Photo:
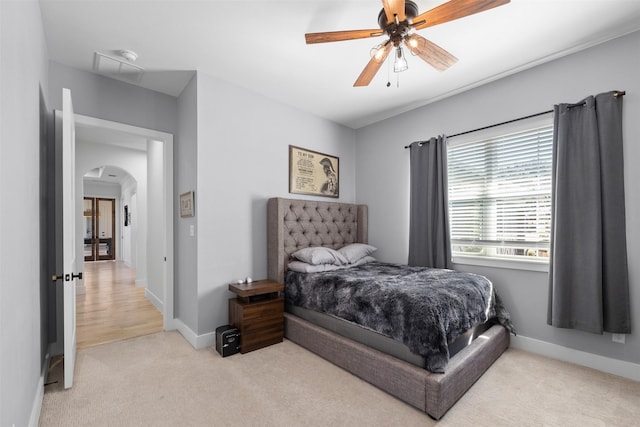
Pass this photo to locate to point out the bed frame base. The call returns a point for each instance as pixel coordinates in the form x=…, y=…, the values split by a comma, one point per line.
x=430, y=392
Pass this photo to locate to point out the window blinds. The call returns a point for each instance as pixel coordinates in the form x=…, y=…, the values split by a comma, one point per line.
x=500, y=194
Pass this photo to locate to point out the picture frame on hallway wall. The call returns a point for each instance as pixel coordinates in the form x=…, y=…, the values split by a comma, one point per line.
x=313, y=173
x=186, y=205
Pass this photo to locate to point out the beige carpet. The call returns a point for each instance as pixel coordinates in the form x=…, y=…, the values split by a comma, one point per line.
x=160, y=380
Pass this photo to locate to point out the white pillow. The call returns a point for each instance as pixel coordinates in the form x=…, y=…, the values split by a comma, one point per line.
x=303, y=267
x=364, y=260
x=320, y=255
x=355, y=251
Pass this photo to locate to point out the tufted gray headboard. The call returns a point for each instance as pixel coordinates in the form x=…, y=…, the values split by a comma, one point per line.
x=295, y=224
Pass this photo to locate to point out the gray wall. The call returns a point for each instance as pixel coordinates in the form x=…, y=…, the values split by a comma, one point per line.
x=185, y=162
x=23, y=74
x=382, y=176
x=243, y=159
x=104, y=98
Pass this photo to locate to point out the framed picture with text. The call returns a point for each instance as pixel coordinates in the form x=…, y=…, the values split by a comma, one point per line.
x=313, y=173
x=186, y=204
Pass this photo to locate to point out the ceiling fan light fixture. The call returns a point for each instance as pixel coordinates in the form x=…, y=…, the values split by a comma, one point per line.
x=411, y=42
x=400, y=63
x=378, y=52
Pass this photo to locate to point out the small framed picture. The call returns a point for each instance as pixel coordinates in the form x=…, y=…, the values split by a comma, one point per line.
x=186, y=204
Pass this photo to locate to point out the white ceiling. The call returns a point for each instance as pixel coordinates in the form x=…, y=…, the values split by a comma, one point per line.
x=86, y=134
x=108, y=175
x=259, y=45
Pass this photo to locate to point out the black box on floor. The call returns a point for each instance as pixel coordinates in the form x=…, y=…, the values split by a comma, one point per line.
x=227, y=340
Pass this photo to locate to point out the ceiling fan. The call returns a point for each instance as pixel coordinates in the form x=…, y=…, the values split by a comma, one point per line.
x=398, y=19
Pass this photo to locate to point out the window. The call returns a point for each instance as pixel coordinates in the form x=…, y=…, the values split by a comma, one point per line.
x=500, y=195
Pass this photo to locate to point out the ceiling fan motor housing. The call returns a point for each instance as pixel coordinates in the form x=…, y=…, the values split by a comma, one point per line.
x=399, y=30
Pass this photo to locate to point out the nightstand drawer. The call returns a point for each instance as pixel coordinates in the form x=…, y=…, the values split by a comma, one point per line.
x=250, y=342
x=258, y=325
x=262, y=309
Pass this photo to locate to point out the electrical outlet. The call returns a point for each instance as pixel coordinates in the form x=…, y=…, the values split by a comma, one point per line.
x=617, y=338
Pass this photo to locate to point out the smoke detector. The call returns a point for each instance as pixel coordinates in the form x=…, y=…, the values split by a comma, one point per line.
x=129, y=55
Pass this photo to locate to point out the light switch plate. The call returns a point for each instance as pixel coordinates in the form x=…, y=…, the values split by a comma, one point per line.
x=192, y=230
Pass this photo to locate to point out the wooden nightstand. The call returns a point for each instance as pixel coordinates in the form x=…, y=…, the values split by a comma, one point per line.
x=258, y=313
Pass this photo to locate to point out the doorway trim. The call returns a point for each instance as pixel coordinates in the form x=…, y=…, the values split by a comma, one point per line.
x=167, y=142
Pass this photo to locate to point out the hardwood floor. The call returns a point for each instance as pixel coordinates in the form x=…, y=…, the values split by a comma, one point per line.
x=113, y=308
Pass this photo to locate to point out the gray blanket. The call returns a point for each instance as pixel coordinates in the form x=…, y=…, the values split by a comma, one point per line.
x=424, y=308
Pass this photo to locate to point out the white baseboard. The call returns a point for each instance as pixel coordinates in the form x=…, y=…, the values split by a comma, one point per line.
x=206, y=340
x=141, y=283
x=170, y=324
x=157, y=302
x=197, y=341
x=590, y=360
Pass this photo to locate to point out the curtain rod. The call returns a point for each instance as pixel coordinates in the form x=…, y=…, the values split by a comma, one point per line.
x=615, y=94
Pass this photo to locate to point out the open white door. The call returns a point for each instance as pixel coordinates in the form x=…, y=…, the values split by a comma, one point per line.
x=69, y=235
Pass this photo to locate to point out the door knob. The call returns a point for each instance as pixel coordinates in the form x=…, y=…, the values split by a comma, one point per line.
x=66, y=277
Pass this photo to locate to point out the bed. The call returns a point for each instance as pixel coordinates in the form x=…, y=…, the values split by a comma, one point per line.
x=391, y=366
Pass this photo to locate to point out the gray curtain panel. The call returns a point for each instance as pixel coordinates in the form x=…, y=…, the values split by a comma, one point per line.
x=429, y=242
x=588, y=276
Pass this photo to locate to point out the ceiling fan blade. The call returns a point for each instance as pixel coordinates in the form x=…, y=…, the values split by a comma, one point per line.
x=336, y=36
x=394, y=7
x=374, y=64
x=454, y=9
x=430, y=52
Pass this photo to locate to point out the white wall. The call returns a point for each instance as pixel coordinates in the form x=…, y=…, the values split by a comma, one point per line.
x=155, y=252
x=23, y=73
x=382, y=177
x=243, y=159
x=129, y=188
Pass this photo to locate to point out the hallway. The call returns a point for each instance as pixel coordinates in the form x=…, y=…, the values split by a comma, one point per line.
x=113, y=308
